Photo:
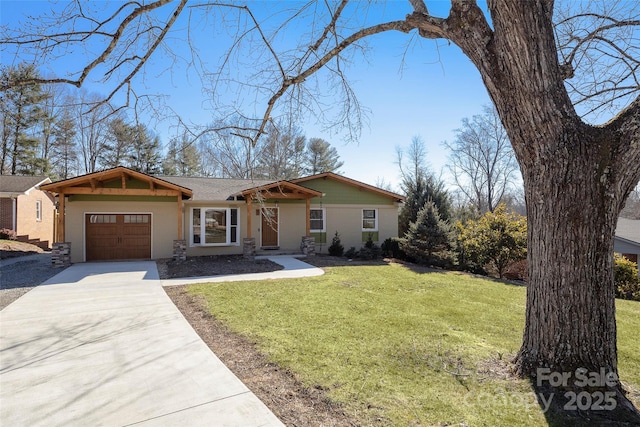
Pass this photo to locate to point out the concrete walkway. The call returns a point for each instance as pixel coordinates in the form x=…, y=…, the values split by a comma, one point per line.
x=102, y=344
x=293, y=268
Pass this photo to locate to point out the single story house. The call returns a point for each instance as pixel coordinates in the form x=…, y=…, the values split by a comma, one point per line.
x=123, y=214
x=627, y=239
x=26, y=209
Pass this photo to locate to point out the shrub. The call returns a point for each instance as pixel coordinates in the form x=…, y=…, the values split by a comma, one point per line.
x=351, y=253
x=391, y=248
x=370, y=249
x=497, y=239
x=8, y=234
x=626, y=276
x=517, y=271
x=336, y=248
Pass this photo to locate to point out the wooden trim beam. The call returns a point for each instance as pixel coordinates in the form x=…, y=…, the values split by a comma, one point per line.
x=180, y=222
x=61, y=209
x=124, y=181
x=249, y=214
x=121, y=191
x=308, y=221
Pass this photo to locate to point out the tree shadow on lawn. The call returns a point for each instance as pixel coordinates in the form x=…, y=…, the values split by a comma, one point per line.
x=585, y=407
x=422, y=269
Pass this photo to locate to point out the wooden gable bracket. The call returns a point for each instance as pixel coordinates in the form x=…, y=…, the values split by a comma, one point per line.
x=124, y=180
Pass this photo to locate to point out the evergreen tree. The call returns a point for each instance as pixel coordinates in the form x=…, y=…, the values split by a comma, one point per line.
x=424, y=189
x=429, y=239
x=117, y=148
x=321, y=157
x=64, y=153
x=419, y=185
x=21, y=112
x=145, y=153
x=182, y=158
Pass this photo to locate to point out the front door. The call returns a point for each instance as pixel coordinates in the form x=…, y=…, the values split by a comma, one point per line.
x=269, y=227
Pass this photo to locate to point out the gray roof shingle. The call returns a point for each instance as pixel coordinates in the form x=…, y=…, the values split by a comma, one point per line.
x=16, y=184
x=214, y=188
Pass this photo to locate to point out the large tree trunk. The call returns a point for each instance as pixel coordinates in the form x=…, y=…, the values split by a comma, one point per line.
x=576, y=180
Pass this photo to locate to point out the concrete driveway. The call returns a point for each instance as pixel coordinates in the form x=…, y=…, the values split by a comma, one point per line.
x=102, y=344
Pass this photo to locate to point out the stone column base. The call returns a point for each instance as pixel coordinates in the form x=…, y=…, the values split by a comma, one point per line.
x=308, y=245
x=179, y=250
x=249, y=248
x=61, y=254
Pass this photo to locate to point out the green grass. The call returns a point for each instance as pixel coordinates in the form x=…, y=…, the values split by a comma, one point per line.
x=404, y=347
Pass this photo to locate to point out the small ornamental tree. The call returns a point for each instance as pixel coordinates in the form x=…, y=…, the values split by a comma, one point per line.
x=336, y=248
x=429, y=239
x=498, y=238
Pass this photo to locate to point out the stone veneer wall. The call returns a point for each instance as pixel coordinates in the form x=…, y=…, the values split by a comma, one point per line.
x=61, y=254
x=179, y=250
x=249, y=248
x=308, y=245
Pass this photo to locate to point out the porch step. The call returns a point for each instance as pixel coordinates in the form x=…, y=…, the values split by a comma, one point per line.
x=42, y=244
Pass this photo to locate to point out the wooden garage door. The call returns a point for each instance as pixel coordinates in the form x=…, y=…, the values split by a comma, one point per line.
x=118, y=236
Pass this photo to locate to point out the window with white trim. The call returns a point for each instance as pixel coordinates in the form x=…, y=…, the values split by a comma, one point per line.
x=317, y=220
x=214, y=227
x=369, y=220
x=38, y=210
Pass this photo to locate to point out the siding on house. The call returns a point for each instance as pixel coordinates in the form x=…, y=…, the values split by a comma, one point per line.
x=340, y=193
x=164, y=218
x=20, y=195
x=343, y=201
x=27, y=224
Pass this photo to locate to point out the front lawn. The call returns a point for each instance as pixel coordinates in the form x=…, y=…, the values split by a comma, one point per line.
x=400, y=347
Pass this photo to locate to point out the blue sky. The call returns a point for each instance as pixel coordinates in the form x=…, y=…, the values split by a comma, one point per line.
x=425, y=93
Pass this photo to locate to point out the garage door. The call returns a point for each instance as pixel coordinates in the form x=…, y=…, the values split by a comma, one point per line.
x=118, y=236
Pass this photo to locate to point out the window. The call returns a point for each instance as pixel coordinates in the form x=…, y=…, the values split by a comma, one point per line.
x=38, y=210
x=102, y=219
x=136, y=219
x=214, y=227
x=369, y=220
x=317, y=220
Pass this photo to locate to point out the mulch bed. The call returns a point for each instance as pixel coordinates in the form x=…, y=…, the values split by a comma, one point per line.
x=213, y=266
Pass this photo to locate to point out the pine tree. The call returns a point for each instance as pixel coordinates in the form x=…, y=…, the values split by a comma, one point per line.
x=145, y=153
x=117, y=149
x=64, y=153
x=182, y=158
x=21, y=112
x=321, y=157
x=429, y=239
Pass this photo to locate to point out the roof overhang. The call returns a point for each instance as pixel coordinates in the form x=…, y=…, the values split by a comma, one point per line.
x=280, y=190
x=14, y=194
x=93, y=183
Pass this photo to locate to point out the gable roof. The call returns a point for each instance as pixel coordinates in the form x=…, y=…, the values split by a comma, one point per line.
x=92, y=184
x=352, y=182
x=14, y=185
x=281, y=189
x=215, y=188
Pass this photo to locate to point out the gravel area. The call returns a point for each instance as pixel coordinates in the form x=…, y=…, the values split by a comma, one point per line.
x=19, y=275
